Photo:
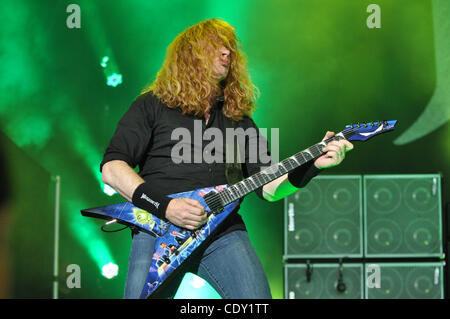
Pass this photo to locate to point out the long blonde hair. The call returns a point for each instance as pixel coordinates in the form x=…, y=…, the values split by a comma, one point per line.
x=187, y=79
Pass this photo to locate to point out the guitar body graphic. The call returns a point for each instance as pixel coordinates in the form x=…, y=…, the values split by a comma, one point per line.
x=173, y=244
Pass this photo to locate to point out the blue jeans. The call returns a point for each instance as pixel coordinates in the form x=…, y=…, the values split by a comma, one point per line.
x=229, y=264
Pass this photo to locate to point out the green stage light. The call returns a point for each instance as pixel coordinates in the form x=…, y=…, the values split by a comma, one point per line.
x=110, y=270
x=114, y=79
x=99, y=41
x=87, y=233
x=104, y=62
x=108, y=190
x=194, y=287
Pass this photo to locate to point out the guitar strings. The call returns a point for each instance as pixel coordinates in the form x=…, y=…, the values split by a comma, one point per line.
x=217, y=196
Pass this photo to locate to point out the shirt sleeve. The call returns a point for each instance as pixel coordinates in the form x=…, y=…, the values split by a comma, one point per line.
x=133, y=133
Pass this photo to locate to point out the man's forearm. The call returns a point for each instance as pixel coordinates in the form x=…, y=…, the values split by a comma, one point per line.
x=278, y=189
x=120, y=176
x=289, y=183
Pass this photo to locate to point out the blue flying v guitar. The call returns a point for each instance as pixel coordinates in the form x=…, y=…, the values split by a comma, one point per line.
x=174, y=244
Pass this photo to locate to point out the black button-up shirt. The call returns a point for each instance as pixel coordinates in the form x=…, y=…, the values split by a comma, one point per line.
x=144, y=137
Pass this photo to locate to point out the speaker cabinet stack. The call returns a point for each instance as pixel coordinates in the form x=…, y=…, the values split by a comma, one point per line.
x=320, y=281
x=371, y=236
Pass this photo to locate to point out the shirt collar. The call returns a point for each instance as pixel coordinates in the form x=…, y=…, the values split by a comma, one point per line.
x=219, y=102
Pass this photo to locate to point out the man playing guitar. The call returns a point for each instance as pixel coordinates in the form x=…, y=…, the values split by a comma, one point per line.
x=204, y=80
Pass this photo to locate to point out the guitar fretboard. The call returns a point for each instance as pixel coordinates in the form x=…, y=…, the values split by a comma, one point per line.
x=248, y=185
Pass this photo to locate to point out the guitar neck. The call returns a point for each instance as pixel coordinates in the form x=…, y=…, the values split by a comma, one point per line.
x=248, y=185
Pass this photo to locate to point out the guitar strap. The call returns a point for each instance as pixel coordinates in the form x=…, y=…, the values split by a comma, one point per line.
x=233, y=169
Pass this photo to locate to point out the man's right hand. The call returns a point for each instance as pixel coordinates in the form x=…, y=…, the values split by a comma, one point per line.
x=186, y=213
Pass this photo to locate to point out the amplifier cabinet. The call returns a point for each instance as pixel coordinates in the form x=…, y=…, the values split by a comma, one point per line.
x=324, y=219
x=320, y=281
x=403, y=216
x=405, y=280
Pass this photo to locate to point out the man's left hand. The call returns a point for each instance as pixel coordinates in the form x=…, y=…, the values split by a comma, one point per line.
x=335, y=152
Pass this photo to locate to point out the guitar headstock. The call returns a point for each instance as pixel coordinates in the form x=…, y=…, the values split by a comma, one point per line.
x=364, y=131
